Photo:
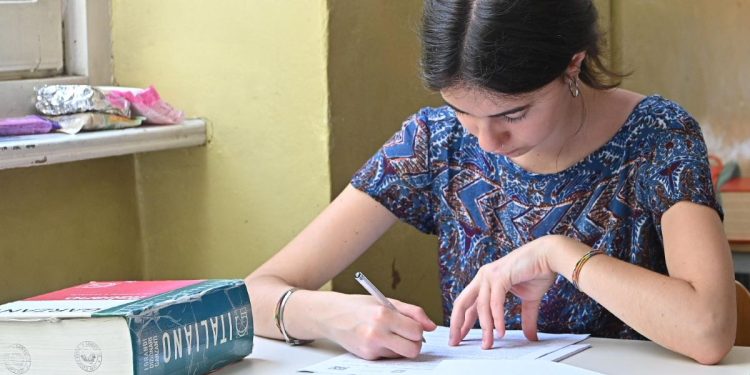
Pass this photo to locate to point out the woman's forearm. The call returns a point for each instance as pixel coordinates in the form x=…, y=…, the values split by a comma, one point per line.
x=695, y=320
x=359, y=323
x=301, y=313
x=341, y=233
x=264, y=294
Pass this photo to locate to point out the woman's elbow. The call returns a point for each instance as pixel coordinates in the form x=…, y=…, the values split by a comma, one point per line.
x=715, y=342
x=712, y=355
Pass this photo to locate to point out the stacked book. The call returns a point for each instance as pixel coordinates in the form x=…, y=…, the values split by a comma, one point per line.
x=128, y=327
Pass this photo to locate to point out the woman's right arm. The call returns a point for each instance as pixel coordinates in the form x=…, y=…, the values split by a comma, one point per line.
x=331, y=242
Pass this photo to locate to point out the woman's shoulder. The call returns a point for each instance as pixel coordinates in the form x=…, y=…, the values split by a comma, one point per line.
x=437, y=118
x=661, y=114
x=436, y=125
x=664, y=132
x=656, y=120
x=430, y=134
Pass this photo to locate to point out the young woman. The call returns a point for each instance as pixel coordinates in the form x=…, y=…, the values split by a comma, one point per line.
x=561, y=203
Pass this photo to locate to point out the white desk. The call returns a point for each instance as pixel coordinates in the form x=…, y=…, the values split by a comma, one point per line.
x=605, y=355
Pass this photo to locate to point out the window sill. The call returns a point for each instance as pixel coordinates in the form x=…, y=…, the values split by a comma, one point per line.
x=52, y=148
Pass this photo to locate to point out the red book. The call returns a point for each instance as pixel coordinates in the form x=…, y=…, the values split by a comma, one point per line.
x=114, y=290
x=740, y=184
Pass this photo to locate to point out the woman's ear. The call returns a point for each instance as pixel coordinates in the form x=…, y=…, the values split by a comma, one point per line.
x=574, y=68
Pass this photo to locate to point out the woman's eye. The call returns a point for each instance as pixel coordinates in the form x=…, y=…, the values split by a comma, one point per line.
x=514, y=118
x=509, y=119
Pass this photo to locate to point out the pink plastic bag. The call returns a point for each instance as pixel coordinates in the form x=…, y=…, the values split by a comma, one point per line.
x=148, y=103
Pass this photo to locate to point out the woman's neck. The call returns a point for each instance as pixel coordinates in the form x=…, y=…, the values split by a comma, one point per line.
x=563, y=146
x=593, y=118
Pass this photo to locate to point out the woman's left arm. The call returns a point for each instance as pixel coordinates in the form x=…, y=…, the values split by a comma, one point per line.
x=693, y=310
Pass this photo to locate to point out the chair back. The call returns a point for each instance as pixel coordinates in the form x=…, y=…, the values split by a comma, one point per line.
x=743, y=315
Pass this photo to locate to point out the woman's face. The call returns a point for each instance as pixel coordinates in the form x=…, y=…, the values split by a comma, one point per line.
x=515, y=126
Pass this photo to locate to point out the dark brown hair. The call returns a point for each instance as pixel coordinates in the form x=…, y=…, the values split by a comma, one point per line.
x=510, y=46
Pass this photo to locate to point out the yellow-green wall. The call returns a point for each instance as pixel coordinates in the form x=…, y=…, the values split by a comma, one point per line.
x=697, y=53
x=373, y=73
x=257, y=71
x=66, y=224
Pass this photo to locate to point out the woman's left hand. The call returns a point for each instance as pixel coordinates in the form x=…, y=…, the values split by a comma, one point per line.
x=525, y=272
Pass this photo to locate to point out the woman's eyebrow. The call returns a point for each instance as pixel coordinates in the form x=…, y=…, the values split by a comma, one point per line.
x=504, y=113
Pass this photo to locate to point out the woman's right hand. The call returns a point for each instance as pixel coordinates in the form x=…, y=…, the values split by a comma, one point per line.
x=369, y=330
x=338, y=236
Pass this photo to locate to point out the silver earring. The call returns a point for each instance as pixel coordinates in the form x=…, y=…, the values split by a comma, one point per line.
x=573, y=87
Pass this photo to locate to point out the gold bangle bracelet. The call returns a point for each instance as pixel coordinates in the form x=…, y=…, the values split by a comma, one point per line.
x=577, y=269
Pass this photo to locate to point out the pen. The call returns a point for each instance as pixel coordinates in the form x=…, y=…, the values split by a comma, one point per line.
x=375, y=292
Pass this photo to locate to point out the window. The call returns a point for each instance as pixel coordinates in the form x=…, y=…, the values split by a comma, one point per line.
x=51, y=42
x=35, y=47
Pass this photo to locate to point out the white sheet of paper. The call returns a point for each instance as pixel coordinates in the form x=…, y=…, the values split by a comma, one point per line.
x=507, y=366
x=513, y=346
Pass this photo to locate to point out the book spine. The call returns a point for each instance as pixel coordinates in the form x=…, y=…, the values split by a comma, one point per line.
x=193, y=330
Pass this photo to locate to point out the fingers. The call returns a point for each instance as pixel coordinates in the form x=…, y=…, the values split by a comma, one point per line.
x=461, y=305
x=497, y=305
x=383, y=344
x=470, y=318
x=484, y=310
x=529, y=316
x=484, y=298
x=416, y=313
x=400, y=346
x=391, y=334
x=406, y=327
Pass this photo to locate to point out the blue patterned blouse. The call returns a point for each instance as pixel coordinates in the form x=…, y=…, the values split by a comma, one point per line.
x=433, y=175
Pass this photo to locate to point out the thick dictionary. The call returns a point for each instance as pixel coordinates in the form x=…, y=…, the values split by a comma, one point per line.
x=128, y=327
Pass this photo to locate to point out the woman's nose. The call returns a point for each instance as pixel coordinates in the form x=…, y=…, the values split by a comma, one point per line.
x=492, y=139
x=491, y=144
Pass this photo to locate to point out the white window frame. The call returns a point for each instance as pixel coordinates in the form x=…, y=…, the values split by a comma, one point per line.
x=88, y=60
x=87, y=50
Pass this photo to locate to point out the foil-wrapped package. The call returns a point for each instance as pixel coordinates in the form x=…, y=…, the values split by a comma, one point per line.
x=53, y=100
